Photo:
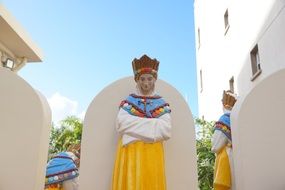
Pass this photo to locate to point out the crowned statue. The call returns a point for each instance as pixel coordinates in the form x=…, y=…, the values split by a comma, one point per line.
x=143, y=123
x=222, y=145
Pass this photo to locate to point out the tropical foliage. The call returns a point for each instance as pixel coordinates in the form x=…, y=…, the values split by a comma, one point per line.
x=68, y=133
x=206, y=158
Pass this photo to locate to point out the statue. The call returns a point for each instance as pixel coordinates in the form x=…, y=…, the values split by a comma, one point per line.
x=222, y=146
x=62, y=170
x=143, y=122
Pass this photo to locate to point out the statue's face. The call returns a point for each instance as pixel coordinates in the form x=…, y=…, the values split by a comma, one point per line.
x=146, y=83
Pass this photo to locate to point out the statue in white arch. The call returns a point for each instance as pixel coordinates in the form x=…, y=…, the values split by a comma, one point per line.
x=144, y=123
x=222, y=146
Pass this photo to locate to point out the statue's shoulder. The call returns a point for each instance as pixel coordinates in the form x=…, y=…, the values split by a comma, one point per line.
x=131, y=99
x=225, y=119
x=224, y=125
x=145, y=106
x=133, y=106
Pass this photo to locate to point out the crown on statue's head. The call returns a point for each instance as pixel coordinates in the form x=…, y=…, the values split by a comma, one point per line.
x=145, y=65
x=229, y=99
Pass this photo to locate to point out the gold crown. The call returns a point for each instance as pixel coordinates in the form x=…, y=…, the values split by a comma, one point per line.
x=145, y=65
x=229, y=99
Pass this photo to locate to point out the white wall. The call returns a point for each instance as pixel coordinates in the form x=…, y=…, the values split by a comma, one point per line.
x=258, y=135
x=25, y=125
x=209, y=18
x=99, y=138
x=223, y=56
x=271, y=46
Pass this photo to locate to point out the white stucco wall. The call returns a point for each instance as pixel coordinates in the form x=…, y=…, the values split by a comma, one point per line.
x=99, y=139
x=271, y=46
x=258, y=136
x=222, y=56
x=209, y=19
x=25, y=125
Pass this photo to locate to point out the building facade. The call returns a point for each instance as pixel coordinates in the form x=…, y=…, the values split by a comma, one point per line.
x=16, y=47
x=238, y=44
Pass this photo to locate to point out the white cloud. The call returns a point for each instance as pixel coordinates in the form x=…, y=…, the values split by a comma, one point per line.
x=62, y=107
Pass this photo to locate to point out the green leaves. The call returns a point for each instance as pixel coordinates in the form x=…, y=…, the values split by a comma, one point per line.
x=206, y=158
x=69, y=132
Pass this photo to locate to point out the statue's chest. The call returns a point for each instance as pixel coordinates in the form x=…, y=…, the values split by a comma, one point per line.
x=145, y=107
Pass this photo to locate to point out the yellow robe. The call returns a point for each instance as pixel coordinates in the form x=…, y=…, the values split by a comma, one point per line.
x=54, y=187
x=222, y=175
x=139, y=166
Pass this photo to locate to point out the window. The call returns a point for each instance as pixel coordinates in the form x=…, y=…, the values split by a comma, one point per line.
x=232, y=86
x=226, y=20
x=255, y=62
x=199, y=42
x=201, y=80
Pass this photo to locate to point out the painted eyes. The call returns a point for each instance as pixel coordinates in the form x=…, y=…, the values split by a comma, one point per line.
x=149, y=79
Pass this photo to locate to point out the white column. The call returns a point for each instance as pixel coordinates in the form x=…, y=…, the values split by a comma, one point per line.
x=24, y=134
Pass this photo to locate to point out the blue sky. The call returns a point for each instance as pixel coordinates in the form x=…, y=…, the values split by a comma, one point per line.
x=89, y=44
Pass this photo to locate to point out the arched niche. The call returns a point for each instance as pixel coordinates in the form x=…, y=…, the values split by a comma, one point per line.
x=258, y=136
x=24, y=134
x=99, y=139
